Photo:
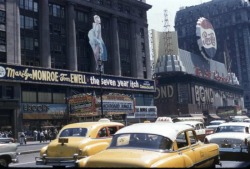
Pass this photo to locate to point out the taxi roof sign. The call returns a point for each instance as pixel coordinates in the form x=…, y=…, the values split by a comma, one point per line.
x=104, y=120
x=164, y=120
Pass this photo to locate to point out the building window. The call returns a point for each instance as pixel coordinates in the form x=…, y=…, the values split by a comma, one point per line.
x=9, y=92
x=1, y=92
x=29, y=97
x=2, y=17
x=44, y=97
x=142, y=32
x=82, y=17
x=30, y=5
x=28, y=23
x=59, y=98
x=143, y=47
x=100, y=2
x=2, y=38
x=27, y=43
x=56, y=10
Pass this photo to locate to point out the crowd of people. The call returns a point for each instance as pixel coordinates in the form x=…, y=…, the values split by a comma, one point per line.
x=42, y=135
x=45, y=135
x=6, y=133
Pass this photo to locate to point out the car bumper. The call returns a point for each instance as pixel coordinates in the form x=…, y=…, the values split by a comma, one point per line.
x=14, y=157
x=69, y=162
x=233, y=150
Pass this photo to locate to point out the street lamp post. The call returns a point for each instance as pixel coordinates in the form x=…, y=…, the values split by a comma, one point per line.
x=100, y=69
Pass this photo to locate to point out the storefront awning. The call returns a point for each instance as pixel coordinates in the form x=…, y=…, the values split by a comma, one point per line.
x=214, y=116
x=197, y=115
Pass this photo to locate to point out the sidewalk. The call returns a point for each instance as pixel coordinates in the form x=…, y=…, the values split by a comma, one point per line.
x=29, y=147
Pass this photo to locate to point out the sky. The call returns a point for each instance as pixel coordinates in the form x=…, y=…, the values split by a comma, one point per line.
x=155, y=15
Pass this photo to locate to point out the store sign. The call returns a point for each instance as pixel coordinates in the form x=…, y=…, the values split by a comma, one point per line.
x=203, y=94
x=62, y=77
x=58, y=109
x=82, y=103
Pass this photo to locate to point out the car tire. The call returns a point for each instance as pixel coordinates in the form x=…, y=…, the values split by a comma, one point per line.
x=3, y=162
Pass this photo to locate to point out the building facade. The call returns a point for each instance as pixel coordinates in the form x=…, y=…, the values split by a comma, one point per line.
x=46, y=58
x=188, y=84
x=231, y=19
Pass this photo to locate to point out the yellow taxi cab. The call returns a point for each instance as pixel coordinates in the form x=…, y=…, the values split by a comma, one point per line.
x=76, y=141
x=155, y=145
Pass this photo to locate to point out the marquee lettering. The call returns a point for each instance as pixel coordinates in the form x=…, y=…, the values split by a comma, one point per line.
x=203, y=94
x=36, y=75
x=164, y=92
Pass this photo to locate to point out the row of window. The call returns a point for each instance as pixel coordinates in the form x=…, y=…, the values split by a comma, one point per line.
x=43, y=97
x=6, y=92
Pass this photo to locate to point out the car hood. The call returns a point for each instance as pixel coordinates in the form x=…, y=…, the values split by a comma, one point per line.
x=227, y=135
x=125, y=158
x=8, y=147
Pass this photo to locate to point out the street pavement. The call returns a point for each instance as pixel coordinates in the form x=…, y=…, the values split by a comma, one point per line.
x=30, y=147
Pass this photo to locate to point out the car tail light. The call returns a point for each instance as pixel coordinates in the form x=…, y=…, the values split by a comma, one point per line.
x=206, y=141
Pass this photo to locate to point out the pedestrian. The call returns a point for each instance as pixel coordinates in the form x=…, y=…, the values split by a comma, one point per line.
x=35, y=135
x=22, y=138
x=42, y=136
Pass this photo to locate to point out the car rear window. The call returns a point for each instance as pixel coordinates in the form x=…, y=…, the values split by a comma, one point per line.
x=240, y=129
x=74, y=132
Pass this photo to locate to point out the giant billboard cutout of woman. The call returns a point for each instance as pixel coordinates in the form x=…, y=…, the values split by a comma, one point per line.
x=96, y=42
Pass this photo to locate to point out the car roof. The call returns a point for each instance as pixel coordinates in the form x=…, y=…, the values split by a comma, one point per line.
x=91, y=124
x=190, y=122
x=169, y=130
x=217, y=121
x=235, y=124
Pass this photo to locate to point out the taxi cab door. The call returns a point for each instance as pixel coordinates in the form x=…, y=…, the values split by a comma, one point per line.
x=184, y=149
x=198, y=151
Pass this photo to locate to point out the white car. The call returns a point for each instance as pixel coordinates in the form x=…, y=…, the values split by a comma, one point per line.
x=231, y=137
x=215, y=123
x=198, y=126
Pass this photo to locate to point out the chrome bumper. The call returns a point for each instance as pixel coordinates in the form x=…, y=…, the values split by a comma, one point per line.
x=14, y=158
x=69, y=162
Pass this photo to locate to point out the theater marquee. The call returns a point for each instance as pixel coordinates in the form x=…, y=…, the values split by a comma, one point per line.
x=25, y=74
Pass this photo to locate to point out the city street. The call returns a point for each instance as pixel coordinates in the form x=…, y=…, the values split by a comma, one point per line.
x=27, y=160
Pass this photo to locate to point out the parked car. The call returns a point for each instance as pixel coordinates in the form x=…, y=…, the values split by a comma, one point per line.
x=198, y=126
x=213, y=125
x=154, y=145
x=78, y=140
x=231, y=137
x=238, y=118
x=246, y=120
x=6, y=139
x=8, y=154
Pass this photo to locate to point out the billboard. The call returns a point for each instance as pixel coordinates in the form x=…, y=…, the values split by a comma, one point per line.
x=206, y=38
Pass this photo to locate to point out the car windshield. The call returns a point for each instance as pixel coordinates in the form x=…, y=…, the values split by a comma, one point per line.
x=74, y=132
x=141, y=140
x=221, y=129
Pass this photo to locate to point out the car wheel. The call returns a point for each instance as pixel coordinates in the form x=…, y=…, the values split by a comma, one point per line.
x=3, y=162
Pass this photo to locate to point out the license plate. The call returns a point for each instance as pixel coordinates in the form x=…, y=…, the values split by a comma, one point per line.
x=226, y=145
x=63, y=140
